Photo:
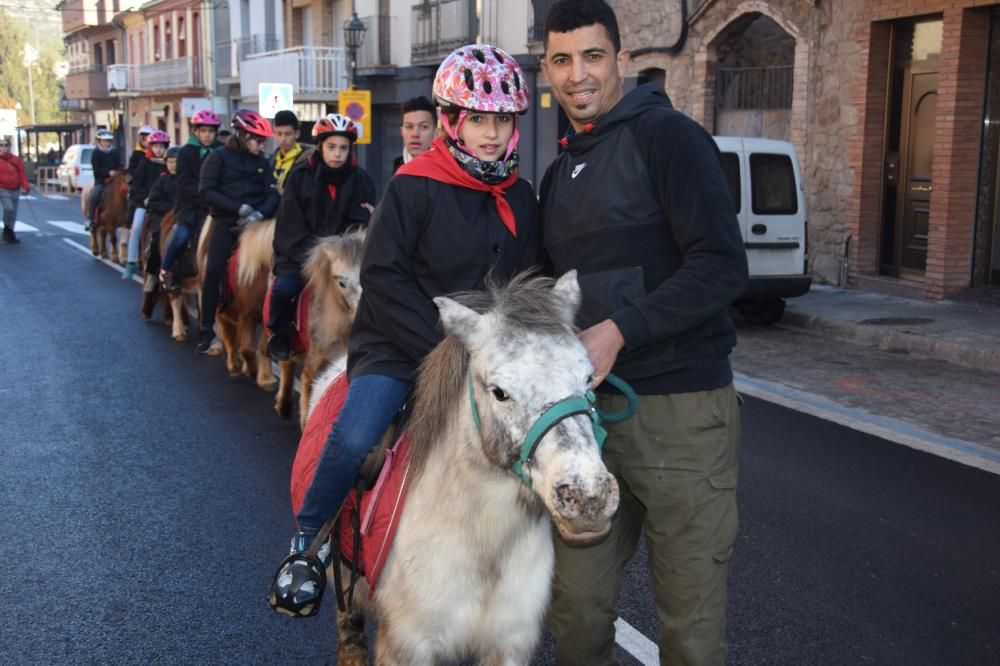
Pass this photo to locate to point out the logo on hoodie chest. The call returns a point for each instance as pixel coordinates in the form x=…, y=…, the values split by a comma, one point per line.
x=577, y=169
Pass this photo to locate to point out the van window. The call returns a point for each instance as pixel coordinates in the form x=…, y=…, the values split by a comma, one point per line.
x=772, y=186
x=731, y=167
x=85, y=155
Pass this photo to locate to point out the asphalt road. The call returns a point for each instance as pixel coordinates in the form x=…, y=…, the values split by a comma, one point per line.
x=145, y=505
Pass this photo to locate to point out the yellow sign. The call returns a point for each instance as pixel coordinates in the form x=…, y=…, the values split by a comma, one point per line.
x=357, y=105
x=545, y=100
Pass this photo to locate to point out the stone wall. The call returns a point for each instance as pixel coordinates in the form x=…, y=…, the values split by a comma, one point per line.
x=823, y=117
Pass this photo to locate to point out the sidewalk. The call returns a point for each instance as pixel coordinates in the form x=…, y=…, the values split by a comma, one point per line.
x=962, y=333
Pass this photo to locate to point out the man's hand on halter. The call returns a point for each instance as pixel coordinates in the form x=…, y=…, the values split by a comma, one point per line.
x=245, y=210
x=602, y=341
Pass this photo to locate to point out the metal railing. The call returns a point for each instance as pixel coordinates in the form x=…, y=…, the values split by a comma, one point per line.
x=754, y=87
x=312, y=70
x=439, y=26
x=229, y=53
x=376, y=50
x=123, y=78
x=173, y=74
x=82, y=69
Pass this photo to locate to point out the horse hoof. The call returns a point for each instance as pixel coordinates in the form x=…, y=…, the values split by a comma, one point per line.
x=179, y=338
x=284, y=413
x=268, y=386
x=352, y=655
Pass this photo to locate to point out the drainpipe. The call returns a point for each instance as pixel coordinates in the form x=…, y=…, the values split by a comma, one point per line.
x=208, y=46
x=674, y=48
x=126, y=58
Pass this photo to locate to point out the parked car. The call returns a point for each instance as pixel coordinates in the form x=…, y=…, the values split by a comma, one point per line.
x=766, y=187
x=75, y=172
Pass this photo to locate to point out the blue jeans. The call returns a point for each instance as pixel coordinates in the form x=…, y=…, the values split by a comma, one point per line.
x=95, y=197
x=182, y=234
x=9, y=199
x=284, y=294
x=135, y=237
x=372, y=401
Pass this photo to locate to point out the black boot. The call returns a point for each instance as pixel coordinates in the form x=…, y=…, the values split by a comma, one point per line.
x=9, y=237
x=279, y=347
x=205, y=338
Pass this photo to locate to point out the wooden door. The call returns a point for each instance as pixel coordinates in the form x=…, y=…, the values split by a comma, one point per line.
x=918, y=132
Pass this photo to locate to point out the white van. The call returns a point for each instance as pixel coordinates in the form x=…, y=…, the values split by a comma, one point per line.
x=766, y=186
x=75, y=171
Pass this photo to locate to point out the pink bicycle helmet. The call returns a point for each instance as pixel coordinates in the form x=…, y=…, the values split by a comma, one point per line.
x=480, y=77
x=205, y=118
x=334, y=124
x=159, y=136
x=251, y=122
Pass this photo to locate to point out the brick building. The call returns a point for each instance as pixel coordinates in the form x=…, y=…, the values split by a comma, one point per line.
x=893, y=107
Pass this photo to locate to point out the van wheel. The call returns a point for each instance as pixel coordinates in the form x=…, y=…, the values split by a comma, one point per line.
x=763, y=312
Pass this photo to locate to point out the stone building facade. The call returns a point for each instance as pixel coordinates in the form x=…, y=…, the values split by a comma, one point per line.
x=829, y=77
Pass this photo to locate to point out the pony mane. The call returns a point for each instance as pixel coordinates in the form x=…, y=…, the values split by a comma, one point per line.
x=327, y=250
x=525, y=304
x=256, y=252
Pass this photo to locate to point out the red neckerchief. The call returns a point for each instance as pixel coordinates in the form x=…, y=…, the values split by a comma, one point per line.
x=438, y=164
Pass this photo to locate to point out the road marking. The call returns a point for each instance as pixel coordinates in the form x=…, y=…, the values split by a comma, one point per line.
x=628, y=637
x=57, y=197
x=106, y=262
x=24, y=227
x=29, y=197
x=72, y=227
x=893, y=430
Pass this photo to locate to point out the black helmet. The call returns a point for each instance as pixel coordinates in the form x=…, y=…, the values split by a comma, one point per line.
x=298, y=586
x=172, y=151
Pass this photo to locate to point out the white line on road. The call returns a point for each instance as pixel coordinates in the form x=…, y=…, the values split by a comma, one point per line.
x=72, y=227
x=57, y=197
x=29, y=197
x=24, y=226
x=628, y=637
x=967, y=453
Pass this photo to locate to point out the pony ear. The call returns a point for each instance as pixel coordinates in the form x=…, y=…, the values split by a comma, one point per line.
x=567, y=293
x=458, y=320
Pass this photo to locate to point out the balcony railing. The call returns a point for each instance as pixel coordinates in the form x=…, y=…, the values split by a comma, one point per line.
x=376, y=50
x=174, y=74
x=229, y=53
x=440, y=26
x=85, y=68
x=315, y=72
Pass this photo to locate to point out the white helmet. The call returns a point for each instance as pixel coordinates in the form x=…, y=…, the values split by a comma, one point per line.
x=105, y=135
x=146, y=129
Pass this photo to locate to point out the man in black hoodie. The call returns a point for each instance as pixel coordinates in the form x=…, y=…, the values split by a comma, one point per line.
x=638, y=204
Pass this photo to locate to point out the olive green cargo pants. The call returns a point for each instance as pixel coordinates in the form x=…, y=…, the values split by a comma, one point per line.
x=676, y=465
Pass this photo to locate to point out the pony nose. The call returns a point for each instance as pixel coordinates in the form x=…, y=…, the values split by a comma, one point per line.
x=576, y=501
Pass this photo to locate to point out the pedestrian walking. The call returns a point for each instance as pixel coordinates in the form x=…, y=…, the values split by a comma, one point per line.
x=13, y=181
x=238, y=185
x=327, y=193
x=190, y=210
x=637, y=203
x=417, y=129
x=449, y=218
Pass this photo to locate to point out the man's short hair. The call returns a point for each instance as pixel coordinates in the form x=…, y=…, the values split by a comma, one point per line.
x=420, y=104
x=286, y=119
x=570, y=15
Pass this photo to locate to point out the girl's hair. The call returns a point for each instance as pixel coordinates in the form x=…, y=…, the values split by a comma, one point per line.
x=234, y=143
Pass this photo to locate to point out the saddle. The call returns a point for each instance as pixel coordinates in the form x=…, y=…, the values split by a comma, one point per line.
x=300, y=320
x=368, y=519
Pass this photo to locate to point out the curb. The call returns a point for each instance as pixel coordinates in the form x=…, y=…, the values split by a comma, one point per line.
x=976, y=358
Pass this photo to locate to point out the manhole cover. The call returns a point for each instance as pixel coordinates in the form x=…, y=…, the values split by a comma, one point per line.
x=896, y=321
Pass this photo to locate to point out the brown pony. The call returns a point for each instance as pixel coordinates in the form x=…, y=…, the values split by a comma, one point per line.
x=333, y=274
x=242, y=311
x=183, y=306
x=110, y=217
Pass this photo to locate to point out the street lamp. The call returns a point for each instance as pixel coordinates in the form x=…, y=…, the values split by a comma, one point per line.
x=354, y=36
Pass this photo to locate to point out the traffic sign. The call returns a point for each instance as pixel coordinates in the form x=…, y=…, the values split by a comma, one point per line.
x=274, y=97
x=357, y=105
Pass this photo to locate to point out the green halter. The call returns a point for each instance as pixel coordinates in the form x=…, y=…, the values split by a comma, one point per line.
x=565, y=408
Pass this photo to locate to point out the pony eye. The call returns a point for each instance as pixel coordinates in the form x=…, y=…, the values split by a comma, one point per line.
x=499, y=394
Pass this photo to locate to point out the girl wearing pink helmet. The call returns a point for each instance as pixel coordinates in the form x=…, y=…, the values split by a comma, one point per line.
x=449, y=218
x=190, y=210
x=148, y=171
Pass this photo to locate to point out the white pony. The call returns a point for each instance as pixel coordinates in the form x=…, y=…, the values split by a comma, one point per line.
x=470, y=571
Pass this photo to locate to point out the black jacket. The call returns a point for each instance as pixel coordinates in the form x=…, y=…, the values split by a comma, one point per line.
x=191, y=209
x=143, y=178
x=307, y=212
x=136, y=159
x=232, y=178
x=428, y=239
x=162, y=197
x=640, y=207
x=103, y=163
